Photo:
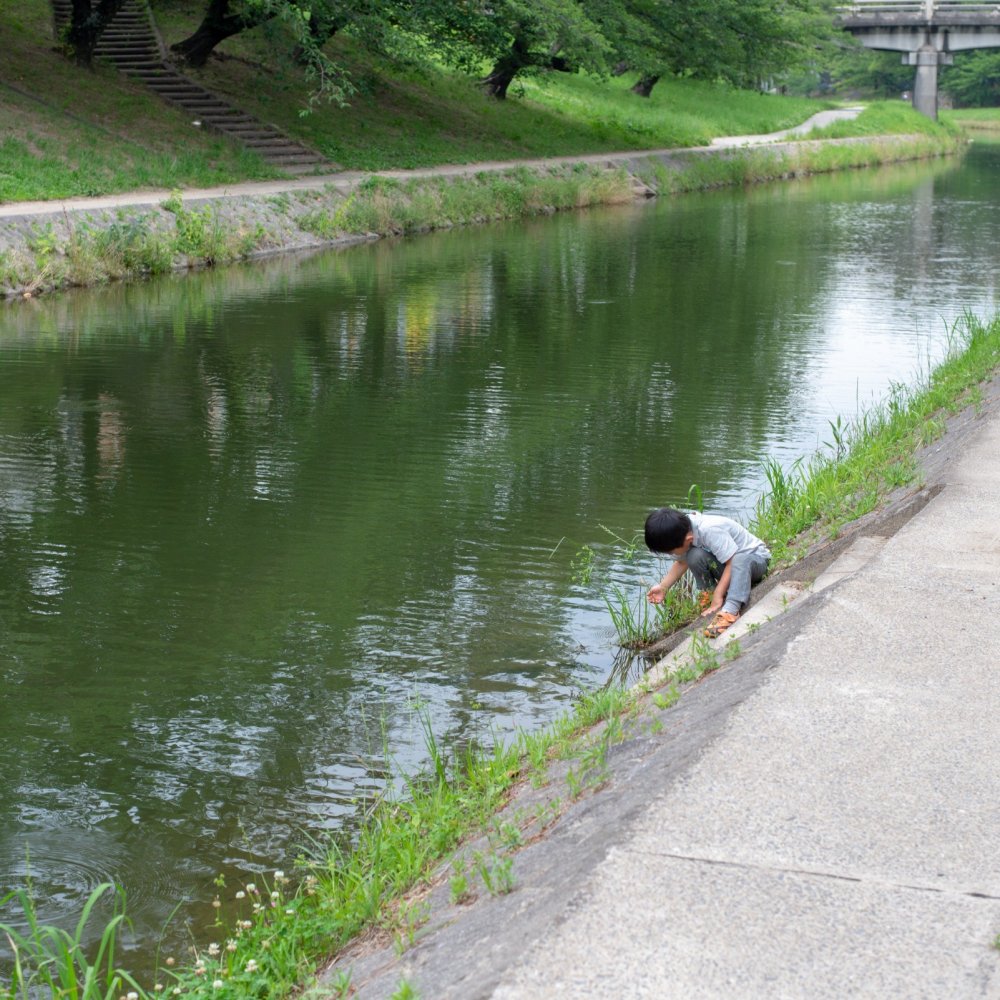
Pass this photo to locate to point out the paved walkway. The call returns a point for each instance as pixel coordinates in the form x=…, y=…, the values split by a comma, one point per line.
x=820, y=120
x=818, y=819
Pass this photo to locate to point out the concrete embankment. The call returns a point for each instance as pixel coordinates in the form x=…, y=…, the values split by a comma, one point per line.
x=81, y=241
x=817, y=818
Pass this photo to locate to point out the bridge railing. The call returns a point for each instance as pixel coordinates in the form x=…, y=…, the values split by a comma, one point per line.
x=926, y=8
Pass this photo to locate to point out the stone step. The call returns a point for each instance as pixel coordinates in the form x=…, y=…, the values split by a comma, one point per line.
x=136, y=51
x=131, y=43
x=287, y=157
x=221, y=123
x=177, y=93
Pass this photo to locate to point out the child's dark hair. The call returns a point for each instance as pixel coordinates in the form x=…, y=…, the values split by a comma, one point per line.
x=666, y=529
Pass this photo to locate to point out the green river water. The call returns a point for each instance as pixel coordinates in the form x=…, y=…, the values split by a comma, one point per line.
x=252, y=520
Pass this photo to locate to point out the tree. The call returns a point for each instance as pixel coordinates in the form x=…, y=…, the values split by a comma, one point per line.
x=516, y=37
x=222, y=20
x=310, y=23
x=88, y=19
x=855, y=69
x=974, y=80
x=742, y=42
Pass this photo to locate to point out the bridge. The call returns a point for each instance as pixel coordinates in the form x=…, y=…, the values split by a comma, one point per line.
x=927, y=32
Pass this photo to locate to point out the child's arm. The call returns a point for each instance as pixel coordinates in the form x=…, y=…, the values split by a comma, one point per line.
x=656, y=593
x=721, y=589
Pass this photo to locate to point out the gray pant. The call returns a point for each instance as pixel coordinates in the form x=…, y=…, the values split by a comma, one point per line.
x=748, y=569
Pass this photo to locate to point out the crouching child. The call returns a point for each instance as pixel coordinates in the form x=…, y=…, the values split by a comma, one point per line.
x=724, y=558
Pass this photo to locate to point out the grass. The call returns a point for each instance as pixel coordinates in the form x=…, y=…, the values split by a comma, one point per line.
x=885, y=118
x=73, y=132
x=69, y=132
x=975, y=118
x=52, y=961
x=275, y=934
x=384, y=206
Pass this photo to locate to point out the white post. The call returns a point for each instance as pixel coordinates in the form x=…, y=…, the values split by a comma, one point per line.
x=929, y=9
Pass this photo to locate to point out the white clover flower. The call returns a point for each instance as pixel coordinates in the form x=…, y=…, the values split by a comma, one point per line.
x=132, y=996
x=275, y=895
x=251, y=887
x=213, y=949
x=290, y=912
x=246, y=924
x=158, y=988
x=217, y=902
x=218, y=984
x=171, y=960
x=231, y=945
x=251, y=966
x=177, y=991
x=241, y=894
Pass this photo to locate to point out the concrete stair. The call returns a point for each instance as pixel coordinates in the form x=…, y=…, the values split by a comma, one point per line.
x=132, y=43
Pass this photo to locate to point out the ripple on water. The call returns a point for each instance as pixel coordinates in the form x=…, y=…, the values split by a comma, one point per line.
x=71, y=863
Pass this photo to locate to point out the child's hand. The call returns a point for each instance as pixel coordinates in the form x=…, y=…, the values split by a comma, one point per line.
x=656, y=594
x=711, y=609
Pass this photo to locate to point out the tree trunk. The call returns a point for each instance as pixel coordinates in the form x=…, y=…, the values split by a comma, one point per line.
x=87, y=21
x=506, y=68
x=621, y=68
x=319, y=35
x=645, y=86
x=216, y=26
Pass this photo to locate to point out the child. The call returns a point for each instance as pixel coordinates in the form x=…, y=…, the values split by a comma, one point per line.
x=721, y=554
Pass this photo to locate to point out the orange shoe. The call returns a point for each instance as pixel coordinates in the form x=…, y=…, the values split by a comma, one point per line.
x=720, y=623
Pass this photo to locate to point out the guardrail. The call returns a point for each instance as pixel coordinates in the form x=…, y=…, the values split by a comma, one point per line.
x=925, y=8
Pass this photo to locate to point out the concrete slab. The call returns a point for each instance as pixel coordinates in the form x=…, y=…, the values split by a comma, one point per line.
x=773, y=603
x=691, y=929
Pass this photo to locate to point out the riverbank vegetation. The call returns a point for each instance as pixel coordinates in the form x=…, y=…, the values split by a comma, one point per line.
x=91, y=248
x=273, y=934
x=78, y=132
x=864, y=460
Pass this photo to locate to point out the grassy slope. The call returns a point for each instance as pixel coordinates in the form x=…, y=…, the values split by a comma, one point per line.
x=86, y=133
x=93, y=133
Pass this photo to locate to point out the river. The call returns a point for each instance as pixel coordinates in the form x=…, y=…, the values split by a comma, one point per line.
x=255, y=522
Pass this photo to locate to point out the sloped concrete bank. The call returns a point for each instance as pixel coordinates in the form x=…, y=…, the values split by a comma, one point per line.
x=45, y=246
x=815, y=818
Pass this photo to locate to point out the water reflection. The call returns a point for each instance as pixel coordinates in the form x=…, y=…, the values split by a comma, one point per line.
x=251, y=520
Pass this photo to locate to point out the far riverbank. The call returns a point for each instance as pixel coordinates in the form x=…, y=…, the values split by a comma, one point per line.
x=47, y=246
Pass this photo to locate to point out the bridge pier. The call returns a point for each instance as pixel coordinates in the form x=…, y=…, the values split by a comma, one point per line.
x=925, y=87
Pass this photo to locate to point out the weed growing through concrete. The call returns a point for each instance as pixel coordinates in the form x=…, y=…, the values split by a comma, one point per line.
x=497, y=873
x=405, y=991
x=667, y=699
x=459, y=888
